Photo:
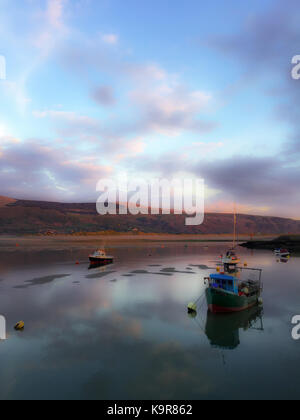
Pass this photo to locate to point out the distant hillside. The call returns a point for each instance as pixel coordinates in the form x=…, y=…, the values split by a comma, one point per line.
x=24, y=217
x=5, y=200
x=290, y=242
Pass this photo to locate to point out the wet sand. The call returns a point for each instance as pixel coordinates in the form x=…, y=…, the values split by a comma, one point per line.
x=64, y=242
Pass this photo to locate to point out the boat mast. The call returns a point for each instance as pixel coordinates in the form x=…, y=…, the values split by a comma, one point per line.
x=234, y=229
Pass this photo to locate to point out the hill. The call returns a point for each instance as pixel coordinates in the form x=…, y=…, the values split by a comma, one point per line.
x=33, y=217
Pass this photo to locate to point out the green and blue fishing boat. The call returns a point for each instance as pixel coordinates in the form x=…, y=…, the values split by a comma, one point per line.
x=226, y=293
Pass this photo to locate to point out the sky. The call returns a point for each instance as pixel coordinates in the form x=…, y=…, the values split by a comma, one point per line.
x=163, y=88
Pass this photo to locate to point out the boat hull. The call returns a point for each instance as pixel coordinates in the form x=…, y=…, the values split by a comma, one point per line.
x=101, y=261
x=219, y=301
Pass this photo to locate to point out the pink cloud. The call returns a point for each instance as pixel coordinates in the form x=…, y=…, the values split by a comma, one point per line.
x=111, y=39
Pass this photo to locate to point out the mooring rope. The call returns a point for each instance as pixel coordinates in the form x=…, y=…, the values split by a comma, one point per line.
x=201, y=296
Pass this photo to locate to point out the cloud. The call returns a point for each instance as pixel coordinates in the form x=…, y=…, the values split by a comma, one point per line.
x=33, y=170
x=264, y=48
x=131, y=149
x=51, y=27
x=257, y=184
x=66, y=117
x=158, y=101
x=268, y=182
x=110, y=39
x=37, y=37
x=252, y=178
x=171, y=110
x=54, y=13
x=72, y=125
x=104, y=95
x=267, y=41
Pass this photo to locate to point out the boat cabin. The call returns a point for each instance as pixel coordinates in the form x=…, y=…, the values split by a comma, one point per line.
x=222, y=281
x=99, y=253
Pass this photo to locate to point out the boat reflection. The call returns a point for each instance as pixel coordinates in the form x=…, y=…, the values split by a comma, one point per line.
x=223, y=331
x=283, y=260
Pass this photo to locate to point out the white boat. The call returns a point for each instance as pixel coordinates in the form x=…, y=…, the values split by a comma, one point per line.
x=230, y=258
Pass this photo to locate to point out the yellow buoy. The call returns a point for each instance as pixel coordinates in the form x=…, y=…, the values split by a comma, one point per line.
x=20, y=326
x=245, y=265
x=192, y=308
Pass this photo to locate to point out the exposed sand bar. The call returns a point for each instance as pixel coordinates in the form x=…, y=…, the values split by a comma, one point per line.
x=31, y=243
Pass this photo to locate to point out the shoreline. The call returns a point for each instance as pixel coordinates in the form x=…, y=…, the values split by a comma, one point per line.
x=61, y=242
x=290, y=242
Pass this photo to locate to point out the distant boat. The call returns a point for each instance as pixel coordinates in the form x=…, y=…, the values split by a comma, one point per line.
x=226, y=293
x=231, y=259
x=282, y=252
x=99, y=257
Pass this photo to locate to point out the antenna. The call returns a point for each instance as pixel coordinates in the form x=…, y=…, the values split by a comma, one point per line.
x=234, y=229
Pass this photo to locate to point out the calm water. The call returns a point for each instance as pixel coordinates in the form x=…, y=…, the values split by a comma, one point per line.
x=122, y=332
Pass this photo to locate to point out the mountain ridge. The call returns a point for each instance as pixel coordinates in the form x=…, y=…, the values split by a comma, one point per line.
x=34, y=217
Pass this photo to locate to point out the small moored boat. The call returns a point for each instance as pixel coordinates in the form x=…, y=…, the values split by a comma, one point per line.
x=99, y=257
x=282, y=252
x=230, y=258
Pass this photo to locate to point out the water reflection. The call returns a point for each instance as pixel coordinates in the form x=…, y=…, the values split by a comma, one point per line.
x=283, y=260
x=223, y=331
x=95, y=265
x=122, y=332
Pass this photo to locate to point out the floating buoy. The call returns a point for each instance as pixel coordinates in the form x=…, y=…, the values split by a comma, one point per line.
x=192, y=308
x=77, y=262
x=245, y=265
x=20, y=326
